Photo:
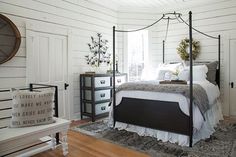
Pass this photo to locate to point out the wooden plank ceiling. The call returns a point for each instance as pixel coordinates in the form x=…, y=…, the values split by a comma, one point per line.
x=145, y=3
x=121, y=4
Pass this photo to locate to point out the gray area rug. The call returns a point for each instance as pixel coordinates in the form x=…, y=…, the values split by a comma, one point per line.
x=221, y=144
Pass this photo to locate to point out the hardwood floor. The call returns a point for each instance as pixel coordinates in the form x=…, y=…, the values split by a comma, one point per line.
x=231, y=119
x=81, y=145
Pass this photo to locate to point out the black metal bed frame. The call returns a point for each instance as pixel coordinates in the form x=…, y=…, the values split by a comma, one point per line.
x=32, y=88
x=161, y=115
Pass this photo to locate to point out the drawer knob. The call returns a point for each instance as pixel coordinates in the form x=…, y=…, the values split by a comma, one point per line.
x=102, y=81
x=102, y=95
x=119, y=81
x=103, y=108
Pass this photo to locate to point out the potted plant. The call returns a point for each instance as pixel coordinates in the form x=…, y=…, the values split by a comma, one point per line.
x=98, y=52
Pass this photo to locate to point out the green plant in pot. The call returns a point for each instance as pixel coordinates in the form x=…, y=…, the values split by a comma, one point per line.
x=98, y=52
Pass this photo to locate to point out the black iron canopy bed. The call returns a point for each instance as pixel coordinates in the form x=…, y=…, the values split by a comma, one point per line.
x=155, y=114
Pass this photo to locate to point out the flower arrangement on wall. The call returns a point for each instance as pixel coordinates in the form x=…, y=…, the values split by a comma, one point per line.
x=98, y=52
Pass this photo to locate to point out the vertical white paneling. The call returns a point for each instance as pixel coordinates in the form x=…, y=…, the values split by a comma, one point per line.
x=232, y=77
x=58, y=59
x=43, y=59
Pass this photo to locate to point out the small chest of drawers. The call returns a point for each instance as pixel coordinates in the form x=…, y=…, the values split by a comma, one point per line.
x=96, y=93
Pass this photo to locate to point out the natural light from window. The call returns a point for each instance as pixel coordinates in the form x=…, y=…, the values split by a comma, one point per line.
x=137, y=54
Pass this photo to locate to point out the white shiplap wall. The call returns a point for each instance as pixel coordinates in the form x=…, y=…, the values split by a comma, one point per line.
x=83, y=18
x=213, y=18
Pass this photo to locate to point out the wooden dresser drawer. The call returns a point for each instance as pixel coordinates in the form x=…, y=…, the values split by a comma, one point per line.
x=98, y=95
x=99, y=108
x=98, y=81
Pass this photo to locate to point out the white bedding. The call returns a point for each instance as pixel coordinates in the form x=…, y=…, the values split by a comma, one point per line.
x=202, y=129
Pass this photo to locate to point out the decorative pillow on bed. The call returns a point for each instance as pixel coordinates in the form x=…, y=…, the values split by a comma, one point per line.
x=211, y=74
x=32, y=108
x=164, y=74
x=165, y=71
x=184, y=75
x=199, y=73
x=212, y=68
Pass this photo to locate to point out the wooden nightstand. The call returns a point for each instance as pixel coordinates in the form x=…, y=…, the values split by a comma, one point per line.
x=96, y=94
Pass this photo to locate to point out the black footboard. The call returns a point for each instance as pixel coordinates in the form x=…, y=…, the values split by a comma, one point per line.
x=161, y=115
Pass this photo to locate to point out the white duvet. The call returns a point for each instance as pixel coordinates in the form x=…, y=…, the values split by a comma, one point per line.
x=213, y=94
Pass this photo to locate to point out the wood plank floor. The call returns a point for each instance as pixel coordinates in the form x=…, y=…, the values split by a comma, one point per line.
x=81, y=145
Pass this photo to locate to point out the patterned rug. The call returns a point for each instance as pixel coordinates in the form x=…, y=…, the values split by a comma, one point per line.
x=221, y=144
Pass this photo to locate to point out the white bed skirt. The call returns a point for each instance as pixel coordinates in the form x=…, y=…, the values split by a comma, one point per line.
x=212, y=118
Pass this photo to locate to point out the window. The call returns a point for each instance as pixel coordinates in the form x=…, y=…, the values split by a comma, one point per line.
x=137, y=54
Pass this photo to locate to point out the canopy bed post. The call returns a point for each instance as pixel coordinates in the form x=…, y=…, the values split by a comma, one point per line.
x=178, y=122
x=114, y=75
x=163, y=42
x=191, y=81
x=219, y=47
x=163, y=51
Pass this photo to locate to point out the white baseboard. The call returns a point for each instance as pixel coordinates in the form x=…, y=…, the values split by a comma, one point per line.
x=76, y=116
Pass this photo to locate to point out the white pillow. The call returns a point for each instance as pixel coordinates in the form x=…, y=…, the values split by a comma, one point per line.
x=199, y=73
x=166, y=71
x=32, y=108
x=184, y=75
x=164, y=74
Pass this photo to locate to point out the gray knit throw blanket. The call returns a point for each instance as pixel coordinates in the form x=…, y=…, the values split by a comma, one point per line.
x=199, y=94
